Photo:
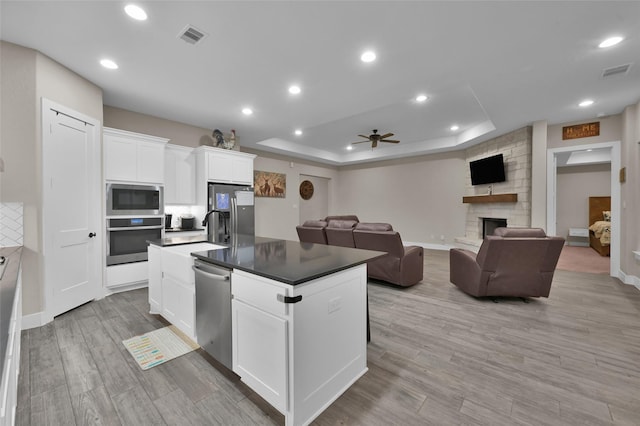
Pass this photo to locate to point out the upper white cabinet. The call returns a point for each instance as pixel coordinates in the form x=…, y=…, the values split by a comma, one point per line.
x=180, y=175
x=220, y=165
x=133, y=157
x=225, y=166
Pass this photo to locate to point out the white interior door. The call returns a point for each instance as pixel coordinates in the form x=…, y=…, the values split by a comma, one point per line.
x=71, y=210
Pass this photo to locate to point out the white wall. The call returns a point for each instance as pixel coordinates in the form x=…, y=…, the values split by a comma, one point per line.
x=27, y=77
x=316, y=207
x=278, y=217
x=421, y=197
x=575, y=185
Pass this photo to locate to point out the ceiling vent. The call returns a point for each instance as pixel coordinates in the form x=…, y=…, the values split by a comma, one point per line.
x=619, y=70
x=191, y=34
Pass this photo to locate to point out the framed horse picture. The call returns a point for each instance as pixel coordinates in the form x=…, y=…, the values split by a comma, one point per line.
x=269, y=184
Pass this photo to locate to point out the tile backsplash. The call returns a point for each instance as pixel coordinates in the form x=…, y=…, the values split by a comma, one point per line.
x=11, y=230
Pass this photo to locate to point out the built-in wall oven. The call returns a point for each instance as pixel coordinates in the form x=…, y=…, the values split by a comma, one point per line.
x=138, y=200
x=127, y=238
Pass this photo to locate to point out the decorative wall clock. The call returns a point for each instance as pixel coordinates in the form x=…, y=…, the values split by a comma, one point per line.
x=306, y=189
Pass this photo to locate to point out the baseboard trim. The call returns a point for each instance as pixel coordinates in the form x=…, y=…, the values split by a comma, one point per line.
x=629, y=279
x=33, y=320
x=108, y=291
x=429, y=245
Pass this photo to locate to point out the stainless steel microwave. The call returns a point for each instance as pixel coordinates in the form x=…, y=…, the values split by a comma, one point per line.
x=124, y=200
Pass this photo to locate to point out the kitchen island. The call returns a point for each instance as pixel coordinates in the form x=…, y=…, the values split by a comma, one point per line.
x=299, y=320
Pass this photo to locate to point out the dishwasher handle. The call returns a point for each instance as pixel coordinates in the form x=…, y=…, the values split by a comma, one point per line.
x=212, y=276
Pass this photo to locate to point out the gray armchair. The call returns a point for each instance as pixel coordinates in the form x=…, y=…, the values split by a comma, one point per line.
x=517, y=262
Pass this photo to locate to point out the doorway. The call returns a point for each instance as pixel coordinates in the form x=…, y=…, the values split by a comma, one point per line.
x=71, y=208
x=555, y=158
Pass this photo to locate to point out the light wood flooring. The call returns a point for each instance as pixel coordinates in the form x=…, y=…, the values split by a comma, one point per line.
x=437, y=357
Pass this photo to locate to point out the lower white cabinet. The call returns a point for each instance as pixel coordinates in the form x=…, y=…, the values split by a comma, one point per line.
x=11, y=367
x=172, y=284
x=259, y=332
x=178, y=305
x=155, y=279
x=126, y=276
x=300, y=347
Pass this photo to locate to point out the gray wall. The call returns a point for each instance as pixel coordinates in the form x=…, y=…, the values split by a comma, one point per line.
x=316, y=207
x=27, y=77
x=178, y=133
x=575, y=185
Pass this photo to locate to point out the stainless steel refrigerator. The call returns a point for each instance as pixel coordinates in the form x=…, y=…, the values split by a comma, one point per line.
x=230, y=212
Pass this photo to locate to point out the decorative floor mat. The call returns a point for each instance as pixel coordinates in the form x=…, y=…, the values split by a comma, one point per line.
x=159, y=346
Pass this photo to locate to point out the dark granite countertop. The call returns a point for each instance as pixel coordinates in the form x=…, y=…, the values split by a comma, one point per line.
x=289, y=262
x=8, y=284
x=178, y=240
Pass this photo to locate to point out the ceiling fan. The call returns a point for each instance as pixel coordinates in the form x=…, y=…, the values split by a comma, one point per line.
x=374, y=138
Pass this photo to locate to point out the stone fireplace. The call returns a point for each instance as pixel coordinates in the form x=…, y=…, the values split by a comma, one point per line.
x=516, y=149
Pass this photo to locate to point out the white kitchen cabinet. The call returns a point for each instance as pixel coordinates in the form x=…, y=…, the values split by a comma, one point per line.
x=302, y=355
x=11, y=367
x=155, y=279
x=125, y=277
x=222, y=166
x=172, y=284
x=178, y=304
x=180, y=175
x=133, y=157
x=260, y=329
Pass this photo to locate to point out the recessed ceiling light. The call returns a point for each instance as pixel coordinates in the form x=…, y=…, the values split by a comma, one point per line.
x=247, y=111
x=108, y=63
x=298, y=132
x=136, y=12
x=349, y=148
x=586, y=103
x=611, y=41
x=421, y=98
x=454, y=128
x=589, y=150
x=368, y=56
x=294, y=90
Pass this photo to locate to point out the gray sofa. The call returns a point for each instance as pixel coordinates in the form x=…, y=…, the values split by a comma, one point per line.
x=401, y=265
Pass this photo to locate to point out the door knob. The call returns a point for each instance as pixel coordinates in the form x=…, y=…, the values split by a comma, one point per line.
x=92, y=234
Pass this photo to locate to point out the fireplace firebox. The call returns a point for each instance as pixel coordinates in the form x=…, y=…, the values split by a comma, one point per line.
x=489, y=224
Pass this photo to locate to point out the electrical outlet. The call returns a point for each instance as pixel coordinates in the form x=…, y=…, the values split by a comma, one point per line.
x=335, y=304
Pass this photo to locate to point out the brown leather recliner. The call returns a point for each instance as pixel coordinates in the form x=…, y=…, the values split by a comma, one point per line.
x=517, y=262
x=312, y=231
x=340, y=233
x=401, y=265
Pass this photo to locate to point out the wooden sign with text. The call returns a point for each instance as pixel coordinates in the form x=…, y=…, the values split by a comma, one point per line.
x=581, y=131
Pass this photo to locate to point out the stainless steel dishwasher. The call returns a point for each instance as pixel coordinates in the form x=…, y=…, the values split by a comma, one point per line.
x=213, y=310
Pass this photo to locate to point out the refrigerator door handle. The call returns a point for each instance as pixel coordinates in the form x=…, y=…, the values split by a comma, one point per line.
x=234, y=214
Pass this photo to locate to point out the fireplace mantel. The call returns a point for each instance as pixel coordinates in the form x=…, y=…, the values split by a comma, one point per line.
x=494, y=198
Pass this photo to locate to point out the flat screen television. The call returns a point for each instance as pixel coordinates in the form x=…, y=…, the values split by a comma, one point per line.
x=487, y=170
